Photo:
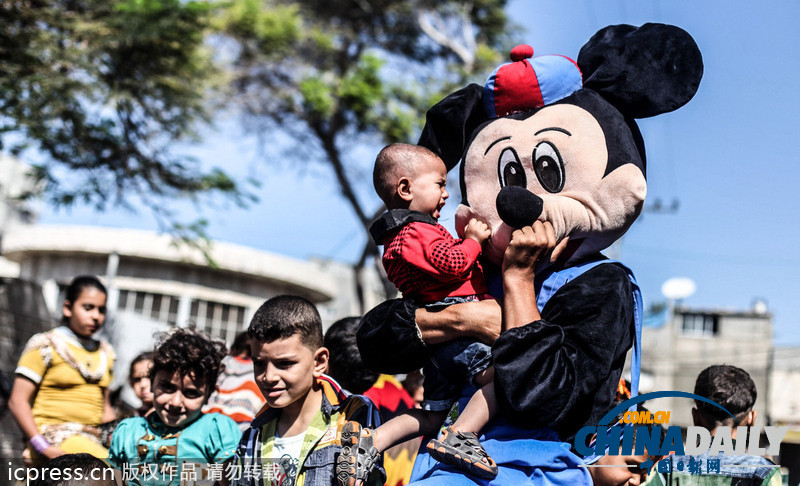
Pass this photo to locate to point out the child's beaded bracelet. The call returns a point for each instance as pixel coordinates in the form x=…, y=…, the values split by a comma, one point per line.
x=39, y=443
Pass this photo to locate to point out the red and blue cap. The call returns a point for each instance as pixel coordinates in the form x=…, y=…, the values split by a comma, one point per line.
x=523, y=85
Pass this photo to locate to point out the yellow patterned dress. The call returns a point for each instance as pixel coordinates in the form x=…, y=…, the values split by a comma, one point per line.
x=72, y=375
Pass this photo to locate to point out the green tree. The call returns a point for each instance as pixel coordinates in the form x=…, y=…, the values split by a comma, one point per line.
x=336, y=75
x=97, y=94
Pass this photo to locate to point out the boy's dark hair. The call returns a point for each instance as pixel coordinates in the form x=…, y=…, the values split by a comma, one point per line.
x=145, y=356
x=284, y=316
x=412, y=382
x=728, y=386
x=345, y=364
x=77, y=469
x=77, y=286
x=190, y=352
x=241, y=345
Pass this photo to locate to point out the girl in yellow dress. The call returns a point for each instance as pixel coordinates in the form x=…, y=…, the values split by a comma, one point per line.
x=61, y=391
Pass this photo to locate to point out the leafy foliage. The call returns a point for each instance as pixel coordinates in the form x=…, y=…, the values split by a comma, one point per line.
x=98, y=92
x=336, y=75
x=339, y=74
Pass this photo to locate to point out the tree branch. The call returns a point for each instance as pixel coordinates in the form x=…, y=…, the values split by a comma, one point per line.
x=329, y=146
x=434, y=27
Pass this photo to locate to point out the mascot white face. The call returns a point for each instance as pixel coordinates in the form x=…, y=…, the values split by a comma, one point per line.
x=559, y=155
x=571, y=153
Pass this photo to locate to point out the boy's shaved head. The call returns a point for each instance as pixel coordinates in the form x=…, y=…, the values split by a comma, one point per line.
x=284, y=316
x=394, y=162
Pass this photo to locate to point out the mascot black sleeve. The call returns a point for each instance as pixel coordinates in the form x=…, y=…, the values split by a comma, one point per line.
x=389, y=340
x=563, y=370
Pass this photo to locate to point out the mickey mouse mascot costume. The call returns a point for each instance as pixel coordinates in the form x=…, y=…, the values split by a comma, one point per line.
x=549, y=139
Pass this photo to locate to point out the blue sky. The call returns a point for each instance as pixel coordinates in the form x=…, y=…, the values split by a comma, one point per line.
x=728, y=158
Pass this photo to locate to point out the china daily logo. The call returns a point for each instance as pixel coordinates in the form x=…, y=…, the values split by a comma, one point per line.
x=618, y=440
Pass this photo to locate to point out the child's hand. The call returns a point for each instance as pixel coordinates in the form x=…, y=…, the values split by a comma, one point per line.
x=527, y=246
x=478, y=231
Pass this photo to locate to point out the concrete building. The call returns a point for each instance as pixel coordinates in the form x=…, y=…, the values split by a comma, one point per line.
x=678, y=343
x=677, y=347
x=784, y=394
x=150, y=275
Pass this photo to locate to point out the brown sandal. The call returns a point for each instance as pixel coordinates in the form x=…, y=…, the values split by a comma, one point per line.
x=358, y=456
x=464, y=451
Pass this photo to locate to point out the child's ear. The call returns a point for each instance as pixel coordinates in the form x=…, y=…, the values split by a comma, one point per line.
x=66, y=309
x=321, y=361
x=404, y=189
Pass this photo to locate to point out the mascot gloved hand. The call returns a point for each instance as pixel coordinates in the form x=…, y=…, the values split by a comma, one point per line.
x=552, y=140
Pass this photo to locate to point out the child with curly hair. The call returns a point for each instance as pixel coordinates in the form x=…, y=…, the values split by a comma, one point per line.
x=156, y=448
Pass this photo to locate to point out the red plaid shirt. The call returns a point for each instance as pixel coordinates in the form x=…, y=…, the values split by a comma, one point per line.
x=427, y=264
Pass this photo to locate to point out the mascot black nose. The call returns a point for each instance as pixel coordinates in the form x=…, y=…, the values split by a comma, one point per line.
x=518, y=206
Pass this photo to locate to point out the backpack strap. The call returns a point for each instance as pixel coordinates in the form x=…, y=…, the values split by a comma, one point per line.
x=636, y=358
x=362, y=410
x=352, y=407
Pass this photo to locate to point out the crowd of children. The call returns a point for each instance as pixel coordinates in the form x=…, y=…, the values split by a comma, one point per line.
x=60, y=400
x=268, y=413
x=309, y=431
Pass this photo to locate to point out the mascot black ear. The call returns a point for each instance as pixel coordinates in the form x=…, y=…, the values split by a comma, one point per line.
x=450, y=123
x=643, y=71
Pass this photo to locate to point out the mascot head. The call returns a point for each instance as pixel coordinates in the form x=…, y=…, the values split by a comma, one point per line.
x=550, y=139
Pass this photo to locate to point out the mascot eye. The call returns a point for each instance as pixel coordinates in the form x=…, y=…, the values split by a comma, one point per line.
x=548, y=167
x=510, y=170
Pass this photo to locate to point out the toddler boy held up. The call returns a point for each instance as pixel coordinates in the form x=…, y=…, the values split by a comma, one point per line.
x=434, y=269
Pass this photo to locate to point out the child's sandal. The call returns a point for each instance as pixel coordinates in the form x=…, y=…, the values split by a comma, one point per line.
x=358, y=456
x=464, y=451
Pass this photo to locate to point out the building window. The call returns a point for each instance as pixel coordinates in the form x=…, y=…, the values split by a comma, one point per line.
x=216, y=319
x=700, y=325
x=160, y=307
